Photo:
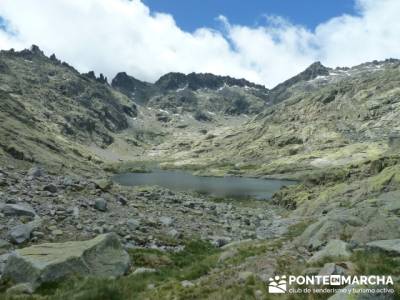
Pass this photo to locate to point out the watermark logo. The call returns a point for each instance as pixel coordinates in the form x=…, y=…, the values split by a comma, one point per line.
x=277, y=285
x=333, y=284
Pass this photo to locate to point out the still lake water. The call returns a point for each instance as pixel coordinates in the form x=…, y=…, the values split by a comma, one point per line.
x=235, y=187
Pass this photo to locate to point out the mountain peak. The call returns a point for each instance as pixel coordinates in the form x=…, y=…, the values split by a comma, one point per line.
x=127, y=83
x=36, y=50
x=314, y=70
x=131, y=86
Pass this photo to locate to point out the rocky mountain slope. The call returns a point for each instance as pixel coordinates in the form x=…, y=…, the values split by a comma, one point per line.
x=54, y=115
x=346, y=116
x=50, y=112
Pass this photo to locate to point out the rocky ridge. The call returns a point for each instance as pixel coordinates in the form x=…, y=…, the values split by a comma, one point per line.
x=51, y=113
x=205, y=94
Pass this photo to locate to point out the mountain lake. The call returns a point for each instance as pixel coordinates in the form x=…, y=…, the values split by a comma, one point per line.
x=229, y=186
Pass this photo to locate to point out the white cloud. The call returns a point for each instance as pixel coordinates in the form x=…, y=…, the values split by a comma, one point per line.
x=109, y=36
x=373, y=35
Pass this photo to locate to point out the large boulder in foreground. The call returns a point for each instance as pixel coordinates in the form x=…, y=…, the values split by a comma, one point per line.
x=17, y=210
x=102, y=256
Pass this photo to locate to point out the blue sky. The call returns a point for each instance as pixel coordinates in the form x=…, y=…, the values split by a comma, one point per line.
x=192, y=14
x=2, y=23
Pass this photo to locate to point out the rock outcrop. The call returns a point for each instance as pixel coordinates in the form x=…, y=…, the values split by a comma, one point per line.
x=17, y=210
x=391, y=247
x=334, y=249
x=102, y=256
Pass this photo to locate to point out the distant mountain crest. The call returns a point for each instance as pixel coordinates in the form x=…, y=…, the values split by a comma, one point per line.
x=128, y=83
x=195, y=81
x=314, y=70
x=194, y=92
x=280, y=92
x=132, y=87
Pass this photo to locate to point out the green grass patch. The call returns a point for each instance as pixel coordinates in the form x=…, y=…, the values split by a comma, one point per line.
x=376, y=263
x=252, y=248
x=297, y=229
